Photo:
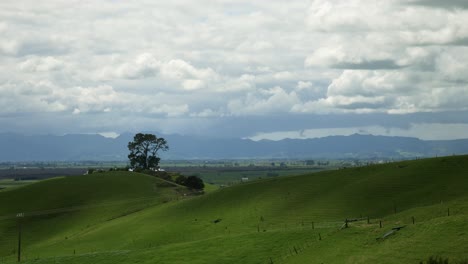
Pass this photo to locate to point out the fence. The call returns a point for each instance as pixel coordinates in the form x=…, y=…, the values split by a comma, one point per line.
x=12, y=239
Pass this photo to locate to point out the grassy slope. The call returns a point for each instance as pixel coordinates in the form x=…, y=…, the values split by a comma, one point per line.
x=182, y=232
x=93, y=199
x=10, y=183
x=434, y=233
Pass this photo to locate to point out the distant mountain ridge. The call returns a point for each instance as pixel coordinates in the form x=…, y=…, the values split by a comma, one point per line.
x=80, y=147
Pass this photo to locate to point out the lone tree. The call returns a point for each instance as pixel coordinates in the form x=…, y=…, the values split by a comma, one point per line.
x=144, y=150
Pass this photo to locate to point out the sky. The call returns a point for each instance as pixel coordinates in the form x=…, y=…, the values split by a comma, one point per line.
x=233, y=68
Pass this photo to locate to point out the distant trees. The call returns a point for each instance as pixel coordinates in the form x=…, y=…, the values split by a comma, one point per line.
x=144, y=151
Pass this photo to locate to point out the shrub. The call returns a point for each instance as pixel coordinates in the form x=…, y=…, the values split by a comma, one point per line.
x=436, y=260
x=163, y=175
x=181, y=179
x=440, y=260
x=194, y=182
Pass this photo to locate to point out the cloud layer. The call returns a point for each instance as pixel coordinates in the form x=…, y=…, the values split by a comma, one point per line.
x=178, y=65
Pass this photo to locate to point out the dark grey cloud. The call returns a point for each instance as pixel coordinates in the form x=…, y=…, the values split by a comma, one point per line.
x=42, y=47
x=460, y=42
x=446, y=4
x=250, y=125
x=369, y=65
x=44, y=123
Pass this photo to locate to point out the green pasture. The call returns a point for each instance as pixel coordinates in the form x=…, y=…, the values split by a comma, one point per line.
x=123, y=217
x=219, y=176
x=11, y=183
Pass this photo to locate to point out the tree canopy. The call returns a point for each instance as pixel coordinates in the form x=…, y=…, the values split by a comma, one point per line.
x=144, y=151
x=193, y=182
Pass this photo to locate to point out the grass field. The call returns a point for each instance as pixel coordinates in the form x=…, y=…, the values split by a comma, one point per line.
x=131, y=218
x=218, y=176
x=10, y=183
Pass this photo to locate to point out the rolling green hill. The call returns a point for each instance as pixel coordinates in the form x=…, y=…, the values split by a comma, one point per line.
x=60, y=207
x=279, y=220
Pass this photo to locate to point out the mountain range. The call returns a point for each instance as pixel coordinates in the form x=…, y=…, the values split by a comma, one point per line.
x=84, y=147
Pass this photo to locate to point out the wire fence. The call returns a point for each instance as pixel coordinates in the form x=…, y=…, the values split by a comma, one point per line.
x=11, y=235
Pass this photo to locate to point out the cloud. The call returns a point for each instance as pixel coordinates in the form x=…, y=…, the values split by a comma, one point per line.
x=144, y=66
x=170, y=110
x=86, y=99
x=173, y=64
x=342, y=57
x=193, y=78
x=452, y=65
x=41, y=64
x=341, y=15
x=254, y=46
x=389, y=21
x=391, y=92
x=304, y=85
x=8, y=47
x=263, y=102
x=207, y=113
x=174, y=72
x=447, y=4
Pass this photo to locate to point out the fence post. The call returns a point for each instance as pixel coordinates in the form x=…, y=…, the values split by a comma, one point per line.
x=380, y=223
x=320, y=237
x=19, y=216
x=448, y=211
x=19, y=240
x=412, y=219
